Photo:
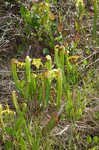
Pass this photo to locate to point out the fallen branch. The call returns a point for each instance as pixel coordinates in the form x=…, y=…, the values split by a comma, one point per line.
x=53, y=121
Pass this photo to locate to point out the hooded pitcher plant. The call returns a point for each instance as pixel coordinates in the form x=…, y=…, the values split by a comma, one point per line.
x=23, y=86
x=19, y=84
x=38, y=85
x=59, y=57
x=56, y=74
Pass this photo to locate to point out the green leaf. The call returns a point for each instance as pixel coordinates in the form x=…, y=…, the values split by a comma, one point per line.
x=19, y=122
x=85, y=62
x=10, y=131
x=28, y=69
x=9, y=145
x=89, y=139
x=95, y=139
x=45, y=51
x=22, y=84
x=20, y=48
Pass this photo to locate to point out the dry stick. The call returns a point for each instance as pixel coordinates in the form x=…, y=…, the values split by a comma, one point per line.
x=92, y=63
x=96, y=52
x=62, y=131
x=87, y=58
x=53, y=121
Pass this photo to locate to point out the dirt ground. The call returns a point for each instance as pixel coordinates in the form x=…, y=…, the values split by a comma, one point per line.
x=9, y=42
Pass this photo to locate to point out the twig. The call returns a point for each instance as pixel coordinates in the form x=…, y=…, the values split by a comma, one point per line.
x=92, y=63
x=87, y=58
x=53, y=121
x=62, y=131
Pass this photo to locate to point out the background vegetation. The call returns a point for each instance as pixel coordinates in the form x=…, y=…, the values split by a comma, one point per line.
x=49, y=75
